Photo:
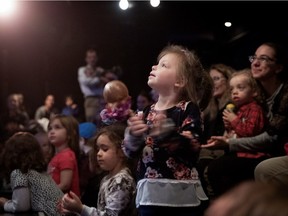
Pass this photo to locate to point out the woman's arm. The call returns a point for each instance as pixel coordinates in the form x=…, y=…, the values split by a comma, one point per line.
x=262, y=142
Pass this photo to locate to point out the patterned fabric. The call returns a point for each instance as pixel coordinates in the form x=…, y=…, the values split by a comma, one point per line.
x=166, y=169
x=171, y=155
x=45, y=194
x=250, y=120
x=115, y=195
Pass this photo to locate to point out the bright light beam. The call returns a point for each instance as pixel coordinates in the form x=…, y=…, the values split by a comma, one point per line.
x=7, y=7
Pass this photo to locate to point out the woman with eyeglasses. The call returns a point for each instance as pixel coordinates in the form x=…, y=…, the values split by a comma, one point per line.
x=212, y=115
x=267, y=67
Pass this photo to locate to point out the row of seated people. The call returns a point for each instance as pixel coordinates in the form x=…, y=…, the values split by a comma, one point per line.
x=16, y=116
x=251, y=133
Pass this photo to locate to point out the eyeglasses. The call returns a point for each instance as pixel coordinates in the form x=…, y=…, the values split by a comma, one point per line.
x=262, y=59
x=217, y=78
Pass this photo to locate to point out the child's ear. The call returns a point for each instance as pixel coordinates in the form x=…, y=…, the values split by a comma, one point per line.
x=180, y=84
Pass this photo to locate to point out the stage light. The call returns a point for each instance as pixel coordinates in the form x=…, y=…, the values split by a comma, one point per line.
x=7, y=7
x=124, y=4
x=154, y=3
x=228, y=24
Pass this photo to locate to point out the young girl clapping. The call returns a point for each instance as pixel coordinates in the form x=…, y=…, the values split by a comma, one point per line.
x=167, y=136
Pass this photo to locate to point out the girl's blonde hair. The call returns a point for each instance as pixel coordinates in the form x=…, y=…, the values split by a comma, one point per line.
x=198, y=85
x=250, y=80
x=247, y=73
x=72, y=127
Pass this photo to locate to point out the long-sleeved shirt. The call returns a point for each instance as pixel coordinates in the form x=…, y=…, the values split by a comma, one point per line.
x=166, y=171
x=275, y=136
x=90, y=85
x=115, y=196
x=35, y=191
x=249, y=122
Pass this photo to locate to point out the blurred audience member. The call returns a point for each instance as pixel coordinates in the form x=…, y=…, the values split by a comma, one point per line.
x=251, y=199
x=213, y=122
x=46, y=111
x=71, y=107
x=14, y=118
x=92, y=81
x=47, y=148
x=143, y=100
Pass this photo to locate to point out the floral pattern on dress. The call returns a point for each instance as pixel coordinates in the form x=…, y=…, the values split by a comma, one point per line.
x=172, y=156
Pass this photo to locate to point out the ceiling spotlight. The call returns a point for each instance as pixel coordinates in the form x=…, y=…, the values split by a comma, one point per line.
x=228, y=24
x=154, y=3
x=124, y=4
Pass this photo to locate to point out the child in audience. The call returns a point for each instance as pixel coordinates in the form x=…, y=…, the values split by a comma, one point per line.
x=32, y=189
x=47, y=148
x=63, y=133
x=87, y=132
x=143, y=100
x=167, y=137
x=251, y=198
x=71, y=107
x=248, y=118
x=118, y=103
x=117, y=187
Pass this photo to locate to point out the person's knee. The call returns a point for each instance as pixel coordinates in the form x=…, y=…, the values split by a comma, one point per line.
x=258, y=172
x=263, y=171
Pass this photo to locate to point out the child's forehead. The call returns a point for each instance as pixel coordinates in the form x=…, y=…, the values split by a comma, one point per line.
x=169, y=55
x=241, y=78
x=170, y=58
x=56, y=121
x=103, y=138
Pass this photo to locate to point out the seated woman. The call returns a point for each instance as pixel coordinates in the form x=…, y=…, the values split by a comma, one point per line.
x=267, y=67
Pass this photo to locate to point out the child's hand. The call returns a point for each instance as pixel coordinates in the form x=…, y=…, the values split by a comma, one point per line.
x=71, y=203
x=3, y=200
x=228, y=116
x=161, y=125
x=195, y=144
x=137, y=126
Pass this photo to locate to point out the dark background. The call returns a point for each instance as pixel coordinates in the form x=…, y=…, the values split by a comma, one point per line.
x=43, y=45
